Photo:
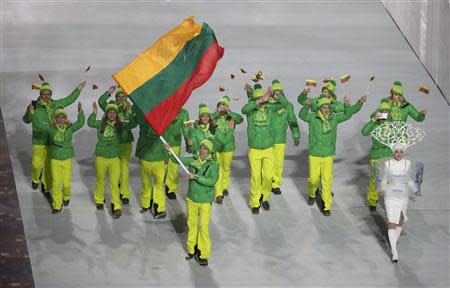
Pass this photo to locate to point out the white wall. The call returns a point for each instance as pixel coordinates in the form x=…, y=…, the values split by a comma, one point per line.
x=426, y=26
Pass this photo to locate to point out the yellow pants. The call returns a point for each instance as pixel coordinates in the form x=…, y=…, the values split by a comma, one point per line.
x=224, y=161
x=172, y=172
x=111, y=166
x=155, y=192
x=61, y=174
x=198, y=235
x=125, y=155
x=372, y=194
x=321, y=169
x=261, y=167
x=40, y=164
x=278, y=151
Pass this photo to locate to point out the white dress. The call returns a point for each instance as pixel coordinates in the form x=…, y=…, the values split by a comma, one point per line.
x=396, y=183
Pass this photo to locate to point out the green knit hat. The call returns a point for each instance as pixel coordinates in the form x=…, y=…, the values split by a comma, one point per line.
x=46, y=87
x=203, y=110
x=111, y=106
x=119, y=91
x=323, y=101
x=207, y=144
x=60, y=111
x=397, y=88
x=384, y=106
x=258, y=92
x=276, y=86
x=225, y=100
x=329, y=87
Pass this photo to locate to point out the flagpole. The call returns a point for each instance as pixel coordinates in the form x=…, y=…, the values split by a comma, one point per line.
x=174, y=155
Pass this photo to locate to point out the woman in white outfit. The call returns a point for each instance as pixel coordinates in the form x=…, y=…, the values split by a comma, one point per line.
x=395, y=186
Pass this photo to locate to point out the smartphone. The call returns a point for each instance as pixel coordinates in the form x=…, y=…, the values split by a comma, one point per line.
x=383, y=115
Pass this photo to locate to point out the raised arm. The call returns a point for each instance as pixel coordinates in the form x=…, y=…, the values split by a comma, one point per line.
x=80, y=120
x=72, y=96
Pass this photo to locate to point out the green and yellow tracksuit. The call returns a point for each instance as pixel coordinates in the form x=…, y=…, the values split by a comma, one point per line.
x=107, y=152
x=61, y=158
x=322, y=148
x=282, y=119
x=225, y=147
x=198, y=133
x=43, y=114
x=377, y=153
x=153, y=159
x=177, y=128
x=401, y=111
x=199, y=201
x=125, y=140
x=260, y=119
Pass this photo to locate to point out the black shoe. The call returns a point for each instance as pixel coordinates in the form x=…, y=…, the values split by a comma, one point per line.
x=171, y=195
x=311, y=201
x=66, y=202
x=143, y=210
x=99, y=206
x=154, y=208
x=112, y=207
x=219, y=200
x=56, y=211
x=394, y=260
x=266, y=205
x=160, y=215
x=116, y=214
x=34, y=185
x=373, y=208
x=225, y=192
x=189, y=256
x=255, y=210
x=43, y=188
x=326, y=213
x=166, y=189
x=201, y=261
x=276, y=191
x=332, y=194
x=48, y=196
x=125, y=201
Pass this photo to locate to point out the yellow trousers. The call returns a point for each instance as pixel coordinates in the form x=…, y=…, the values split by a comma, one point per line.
x=198, y=235
x=261, y=167
x=155, y=191
x=172, y=172
x=278, y=151
x=125, y=155
x=61, y=174
x=224, y=161
x=321, y=169
x=40, y=165
x=372, y=194
x=102, y=167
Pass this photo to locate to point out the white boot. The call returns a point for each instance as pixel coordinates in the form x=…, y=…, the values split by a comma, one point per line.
x=392, y=233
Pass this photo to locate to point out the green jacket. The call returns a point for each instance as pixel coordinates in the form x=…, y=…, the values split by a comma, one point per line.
x=401, y=113
x=201, y=189
x=149, y=147
x=282, y=118
x=323, y=143
x=43, y=116
x=336, y=105
x=260, y=120
x=224, y=134
x=378, y=150
x=197, y=136
x=108, y=142
x=124, y=116
x=62, y=148
x=178, y=128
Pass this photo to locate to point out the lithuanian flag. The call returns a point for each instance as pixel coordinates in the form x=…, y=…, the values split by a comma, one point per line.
x=424, y=89
x=345, y=78
x=161, y=79
x=310, y=82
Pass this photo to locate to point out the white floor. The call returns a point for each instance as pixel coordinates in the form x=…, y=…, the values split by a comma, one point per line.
x=293, y=244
